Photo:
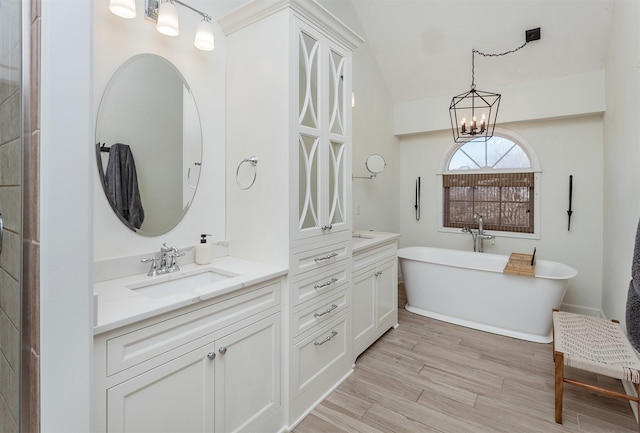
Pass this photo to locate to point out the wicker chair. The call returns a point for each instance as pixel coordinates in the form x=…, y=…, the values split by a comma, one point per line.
x=595, y=345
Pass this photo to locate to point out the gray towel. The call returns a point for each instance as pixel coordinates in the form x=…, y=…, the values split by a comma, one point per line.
x=122, y=186
x=632, y=314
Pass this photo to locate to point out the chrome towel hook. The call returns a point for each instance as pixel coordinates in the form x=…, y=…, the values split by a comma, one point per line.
x=253, y=160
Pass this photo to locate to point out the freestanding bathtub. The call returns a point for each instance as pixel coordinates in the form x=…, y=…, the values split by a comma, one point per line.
x=470, y=289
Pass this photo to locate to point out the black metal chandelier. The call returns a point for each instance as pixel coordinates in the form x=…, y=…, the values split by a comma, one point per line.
x=474, y=113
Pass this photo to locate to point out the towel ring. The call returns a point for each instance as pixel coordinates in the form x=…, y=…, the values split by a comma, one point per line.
x=253, y=160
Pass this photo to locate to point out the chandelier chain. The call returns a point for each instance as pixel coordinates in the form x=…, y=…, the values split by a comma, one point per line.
x=473, y=57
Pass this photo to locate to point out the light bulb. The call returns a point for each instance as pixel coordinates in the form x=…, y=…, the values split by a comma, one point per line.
x=123, y=8
x=204, y=36
x=168, y=19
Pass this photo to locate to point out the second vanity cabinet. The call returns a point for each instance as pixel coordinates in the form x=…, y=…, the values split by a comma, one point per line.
x=214, y=368
x=375, y=293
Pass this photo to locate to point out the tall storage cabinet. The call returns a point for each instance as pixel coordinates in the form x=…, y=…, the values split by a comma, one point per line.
x=289, y=104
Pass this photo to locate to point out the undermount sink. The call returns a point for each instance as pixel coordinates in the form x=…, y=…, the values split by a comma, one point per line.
x=172, y=284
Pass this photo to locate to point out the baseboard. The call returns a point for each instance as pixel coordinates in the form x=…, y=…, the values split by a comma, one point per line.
x=579, y=309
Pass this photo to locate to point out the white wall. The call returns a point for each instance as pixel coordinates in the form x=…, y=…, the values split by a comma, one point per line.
x=116, y=40
x=621, y=156
x=372, y=133
x=571, y=146
x=66, y=216
x=535, y=100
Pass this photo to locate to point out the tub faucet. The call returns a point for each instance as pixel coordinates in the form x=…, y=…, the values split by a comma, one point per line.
x=474, y=236
x=480, y=235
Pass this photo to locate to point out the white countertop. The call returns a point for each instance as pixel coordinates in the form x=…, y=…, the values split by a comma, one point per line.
x=366, y=239
x=118, y=305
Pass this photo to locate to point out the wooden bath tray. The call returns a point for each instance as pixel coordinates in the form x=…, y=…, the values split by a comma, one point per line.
x=520, y=264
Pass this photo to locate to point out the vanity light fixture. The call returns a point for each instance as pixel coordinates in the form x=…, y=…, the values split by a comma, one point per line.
x=123, y=8
x=165, y=14
x=167, y=19
x=204, y=35
x=474, y=113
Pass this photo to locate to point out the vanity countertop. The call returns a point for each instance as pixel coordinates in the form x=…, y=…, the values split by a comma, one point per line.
x=366, y=239
x=117, y=305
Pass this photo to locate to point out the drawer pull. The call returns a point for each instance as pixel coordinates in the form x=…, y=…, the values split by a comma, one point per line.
x=320, y=343
x=211, y=356
x=328, y=283
x=377, y=274
x=327, y=311
x=327, y=257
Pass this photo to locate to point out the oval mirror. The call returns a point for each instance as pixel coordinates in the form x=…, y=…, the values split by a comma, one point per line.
x=375, y=163
x=149, y=144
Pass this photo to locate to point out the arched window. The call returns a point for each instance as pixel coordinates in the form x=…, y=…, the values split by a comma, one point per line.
x=495, y=179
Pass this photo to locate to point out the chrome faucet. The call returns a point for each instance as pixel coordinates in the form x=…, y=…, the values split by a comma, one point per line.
x=478, y=235
x=165, y=262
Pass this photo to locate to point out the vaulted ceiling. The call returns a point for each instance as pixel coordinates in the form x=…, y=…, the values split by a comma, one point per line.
x=423, y=47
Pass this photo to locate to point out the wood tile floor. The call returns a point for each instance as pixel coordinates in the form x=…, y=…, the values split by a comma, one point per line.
x=431, y=376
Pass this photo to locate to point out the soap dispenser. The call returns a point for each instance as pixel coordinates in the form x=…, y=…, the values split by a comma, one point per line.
x=203, y=251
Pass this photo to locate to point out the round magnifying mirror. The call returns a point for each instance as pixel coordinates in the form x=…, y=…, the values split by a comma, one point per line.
x=149, y=108
x=375, y=164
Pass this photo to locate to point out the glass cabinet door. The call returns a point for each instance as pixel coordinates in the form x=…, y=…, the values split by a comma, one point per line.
x=309, y=171
x=322, y=135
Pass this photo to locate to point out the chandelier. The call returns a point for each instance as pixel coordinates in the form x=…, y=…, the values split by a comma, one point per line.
x=473, y=113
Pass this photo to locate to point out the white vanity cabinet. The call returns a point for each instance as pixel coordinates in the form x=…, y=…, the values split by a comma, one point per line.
x=210, y=368
x=374, y=293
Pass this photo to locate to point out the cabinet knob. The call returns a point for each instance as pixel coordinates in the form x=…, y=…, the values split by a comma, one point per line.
x=211, y=355
x=222, y=350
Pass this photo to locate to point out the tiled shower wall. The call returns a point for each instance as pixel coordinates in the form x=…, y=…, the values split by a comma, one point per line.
x=19, y=150
x=10, y=207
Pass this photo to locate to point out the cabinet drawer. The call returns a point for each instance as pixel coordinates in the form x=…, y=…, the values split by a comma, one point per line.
x=363, y=260
x=318, y=258
x=320, y=362
x=319, y=283
x=308, y=316
x=127, y=350
x=320, y=354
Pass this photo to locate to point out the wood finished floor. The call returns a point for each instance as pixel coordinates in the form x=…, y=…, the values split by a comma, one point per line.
x=431, y=376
